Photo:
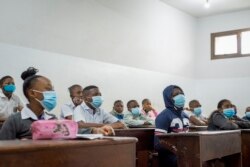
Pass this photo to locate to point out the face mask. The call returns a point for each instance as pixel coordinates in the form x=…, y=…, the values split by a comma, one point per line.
x=135, y=111
x=197, y=111
x=248, y=114
x=96, y=101
x=179, y=101
x=229, y=112
x=77, y=100
x=120, y=116
x=49, y=100
x=9, y=88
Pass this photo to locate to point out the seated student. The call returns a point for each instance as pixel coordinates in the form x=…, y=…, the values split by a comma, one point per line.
x=118, y=110
x=247, y=114
x=134, y=117
x=222, y=118
x=171, y=120
x=9, y=102
x=148, y=110
x=89, y=113
x=39, y=92
x=76, y=99
x=195, y=110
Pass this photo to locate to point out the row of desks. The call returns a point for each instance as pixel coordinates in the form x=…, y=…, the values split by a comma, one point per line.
x=193, y=149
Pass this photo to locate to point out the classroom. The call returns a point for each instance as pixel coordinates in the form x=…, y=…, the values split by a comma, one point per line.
x=142, y=83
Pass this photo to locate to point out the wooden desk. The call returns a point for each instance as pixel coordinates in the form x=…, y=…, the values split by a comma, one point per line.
x=245, y=147
x=145, y=144
x=193, y=128
x=194, y=148
x=141, y=126
x=68, y=153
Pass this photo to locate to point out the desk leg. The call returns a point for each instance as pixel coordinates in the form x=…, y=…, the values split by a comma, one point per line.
x=142, y=158
x=233, y=160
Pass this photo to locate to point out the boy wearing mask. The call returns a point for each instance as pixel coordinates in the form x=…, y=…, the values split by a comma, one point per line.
x=134, y=117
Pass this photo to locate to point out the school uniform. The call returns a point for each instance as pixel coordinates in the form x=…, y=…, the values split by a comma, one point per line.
x=17, y=126
x=87, y=115
x=8, y=106
x=151, y=114
x=170, y=120
x=131, y=119
x=119, y=116
x=67, y=110
x=201, y=118
x=246, y=118
x=218, y=121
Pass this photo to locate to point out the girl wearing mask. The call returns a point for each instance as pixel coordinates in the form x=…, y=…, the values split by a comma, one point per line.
x=223, y=118
x=9, y=102
x=171, y=120
x=40, y=95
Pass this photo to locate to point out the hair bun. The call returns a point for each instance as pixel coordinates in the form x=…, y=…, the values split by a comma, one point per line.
x=31, y=71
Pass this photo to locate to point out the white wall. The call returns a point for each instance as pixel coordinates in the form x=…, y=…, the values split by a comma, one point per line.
x=146, y=45
x=114, y=81
x=146, y=34
x=223, y=78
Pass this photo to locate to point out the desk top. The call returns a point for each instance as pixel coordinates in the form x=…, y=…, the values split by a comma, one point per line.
x=141, y=126
x=29, y=145
x=200, y=133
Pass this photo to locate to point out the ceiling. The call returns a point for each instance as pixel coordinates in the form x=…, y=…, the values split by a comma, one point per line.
x=196, y=7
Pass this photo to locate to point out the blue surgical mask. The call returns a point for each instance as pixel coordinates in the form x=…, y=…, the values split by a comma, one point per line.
x=248, y=114
x=179, y=101
x=197, y=111
x=9, y=88
x=135, y=111
x=49, y=99
x=120, y=116
x=96, y=101
x=229, y=112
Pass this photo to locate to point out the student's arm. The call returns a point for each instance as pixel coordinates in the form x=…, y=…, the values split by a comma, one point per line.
x=147, y=119
x=66, y=112
x=128, y=119
x=243, y=124
x=8, y=130
x=82, y=124
x=196, y=121
x=112, y=121
x=223, y=123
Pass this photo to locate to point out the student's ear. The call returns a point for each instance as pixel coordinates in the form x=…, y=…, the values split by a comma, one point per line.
x=31, y=93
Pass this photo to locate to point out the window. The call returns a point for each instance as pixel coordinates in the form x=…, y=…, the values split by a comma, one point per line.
x=230, y=44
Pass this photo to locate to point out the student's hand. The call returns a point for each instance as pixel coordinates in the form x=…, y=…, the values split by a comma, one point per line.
x=105, y=130
x=147, y=123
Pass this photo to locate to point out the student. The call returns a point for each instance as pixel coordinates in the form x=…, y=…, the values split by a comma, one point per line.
x=134, y=117
x=9, y=102
x=148, y=110
x=90, y=114
x=171, y=120
x=247, y=114
x=40, y=95
x=222, y=118
x=195, y=109
x=76, y=96
x=118, y=110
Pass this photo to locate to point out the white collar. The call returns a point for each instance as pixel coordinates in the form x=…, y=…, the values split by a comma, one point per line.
x=86, y=107
x=27, y=113
x=3, y=95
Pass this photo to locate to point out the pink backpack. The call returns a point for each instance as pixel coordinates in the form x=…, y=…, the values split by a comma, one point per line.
x=54, y=129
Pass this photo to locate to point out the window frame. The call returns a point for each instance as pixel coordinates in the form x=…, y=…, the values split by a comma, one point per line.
x=227, y=33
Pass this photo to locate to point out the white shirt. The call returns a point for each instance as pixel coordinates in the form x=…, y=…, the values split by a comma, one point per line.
x=7, y=106
x=87, y=115
x=67, y=110
x=27, y=113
